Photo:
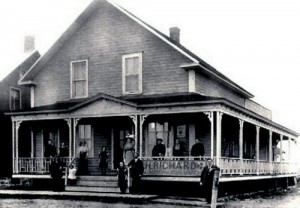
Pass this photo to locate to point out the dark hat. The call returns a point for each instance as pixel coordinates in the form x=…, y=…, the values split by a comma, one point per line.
x=209, y=159
x=159, y=139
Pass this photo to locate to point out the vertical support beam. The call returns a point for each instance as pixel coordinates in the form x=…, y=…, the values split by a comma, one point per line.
x=13, y=147
x=257, y=144
x=31, y=143
x=112, y=147
x=69, y=122
x=135, y=121
x=18, y=123
x=75, y=122
x=281, y=138
x=270, y=146
x=141, y=124
x=289, y=150
x=257, y=150
x=210, y=116
x=241, y=142
x=219, y=138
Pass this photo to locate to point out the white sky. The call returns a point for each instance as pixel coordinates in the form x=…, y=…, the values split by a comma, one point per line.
x=256, y=43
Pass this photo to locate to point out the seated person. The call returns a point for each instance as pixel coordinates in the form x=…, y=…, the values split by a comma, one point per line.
x=159, y=150
x=197, y=149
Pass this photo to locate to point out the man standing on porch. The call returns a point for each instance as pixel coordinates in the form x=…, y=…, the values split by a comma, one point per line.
x=136, y=170
x=50, y=150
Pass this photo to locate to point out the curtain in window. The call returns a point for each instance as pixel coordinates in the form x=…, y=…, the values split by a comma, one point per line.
x=15, y=97
x=132, y=74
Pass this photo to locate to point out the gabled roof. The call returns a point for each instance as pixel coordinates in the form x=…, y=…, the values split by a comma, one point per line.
x=195, y=60
x=24, y=66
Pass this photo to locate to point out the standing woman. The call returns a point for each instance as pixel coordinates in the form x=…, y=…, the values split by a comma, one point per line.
x=103, y=160
x=83, y=155
x=129, y=150
x=178, y=149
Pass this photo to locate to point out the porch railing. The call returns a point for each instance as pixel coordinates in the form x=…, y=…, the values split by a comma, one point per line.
x=38, y=165
x=236, y=166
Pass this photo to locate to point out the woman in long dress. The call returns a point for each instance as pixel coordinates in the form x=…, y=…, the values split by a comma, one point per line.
x=83, y=155
x=129, y=149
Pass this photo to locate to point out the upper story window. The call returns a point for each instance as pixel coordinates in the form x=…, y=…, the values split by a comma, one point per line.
x=79, y=79
x=15, y=98
x=132, y=73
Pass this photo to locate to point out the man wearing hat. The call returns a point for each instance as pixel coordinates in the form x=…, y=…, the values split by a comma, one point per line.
x=159, y=150
x=206, y=180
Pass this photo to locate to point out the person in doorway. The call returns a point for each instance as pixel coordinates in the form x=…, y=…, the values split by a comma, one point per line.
x=197, y=149
x=136, y=170
x=50, y=149
x=56, y=173
x=122, y=177
x=206, y=179
x=72, y=174
x=83, y=155
x=159, y=150
x=103, y=160
x=63, y=150
x=178, y=149
x=129, y=149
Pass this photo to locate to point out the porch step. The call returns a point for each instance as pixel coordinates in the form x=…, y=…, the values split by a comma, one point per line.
x=101, y=184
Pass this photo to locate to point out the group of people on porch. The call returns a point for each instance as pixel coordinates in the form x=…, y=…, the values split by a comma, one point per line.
x=159, y=149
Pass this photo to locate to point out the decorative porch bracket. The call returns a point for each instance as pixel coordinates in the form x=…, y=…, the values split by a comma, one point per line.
x=16, y=127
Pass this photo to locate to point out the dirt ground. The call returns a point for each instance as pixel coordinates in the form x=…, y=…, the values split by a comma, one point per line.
x=281, y=199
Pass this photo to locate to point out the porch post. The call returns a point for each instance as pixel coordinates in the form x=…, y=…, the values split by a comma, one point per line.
x=241, y=141
x=31, y=143
x=134, y=119
x=257, y=150
x=75, y=122
x=69, y=122
x=289, y=149
x=270, y=146
x=142, y=120
x=271, y=169
x=18, y=123
x=219, y=137
x=13, y=146
x=281, y=138
x=210, y=116
x=257, y=144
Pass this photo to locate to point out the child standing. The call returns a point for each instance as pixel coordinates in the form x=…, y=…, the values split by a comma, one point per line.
x=103, y=160
x=122, y=177
x=72, y=174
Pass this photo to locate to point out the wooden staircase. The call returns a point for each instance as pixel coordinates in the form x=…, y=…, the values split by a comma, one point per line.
x=100, y=184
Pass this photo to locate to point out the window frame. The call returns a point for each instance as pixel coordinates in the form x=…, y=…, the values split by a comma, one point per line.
x=140, y=72
x=10, y=96
x=72, y=79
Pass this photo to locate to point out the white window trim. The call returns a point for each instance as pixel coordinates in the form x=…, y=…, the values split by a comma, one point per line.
x=18, y=89
x=140, y=55
x=71, y=79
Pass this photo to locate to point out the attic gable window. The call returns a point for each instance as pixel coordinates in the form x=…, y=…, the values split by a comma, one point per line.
x=132, y=73
x=79, y=79
x=14, y=98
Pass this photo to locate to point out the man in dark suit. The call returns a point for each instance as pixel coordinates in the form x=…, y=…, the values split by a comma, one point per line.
x=136, y=171
x=206, y=181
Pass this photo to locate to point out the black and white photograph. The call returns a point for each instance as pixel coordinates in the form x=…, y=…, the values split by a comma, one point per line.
x=150, y=103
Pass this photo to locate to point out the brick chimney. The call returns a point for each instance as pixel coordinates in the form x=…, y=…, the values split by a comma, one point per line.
x=175, y=34
x=29, y=44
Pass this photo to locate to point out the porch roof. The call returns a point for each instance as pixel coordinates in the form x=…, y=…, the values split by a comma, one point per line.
x=144, y=102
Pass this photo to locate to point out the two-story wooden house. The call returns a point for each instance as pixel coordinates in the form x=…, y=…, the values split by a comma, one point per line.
x=12, y=97
x=111, y=74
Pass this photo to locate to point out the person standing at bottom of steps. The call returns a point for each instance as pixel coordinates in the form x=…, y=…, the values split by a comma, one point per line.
x=136, y=169
x=122, y=177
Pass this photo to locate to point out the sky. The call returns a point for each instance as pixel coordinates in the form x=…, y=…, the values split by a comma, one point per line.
x=256, y=43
